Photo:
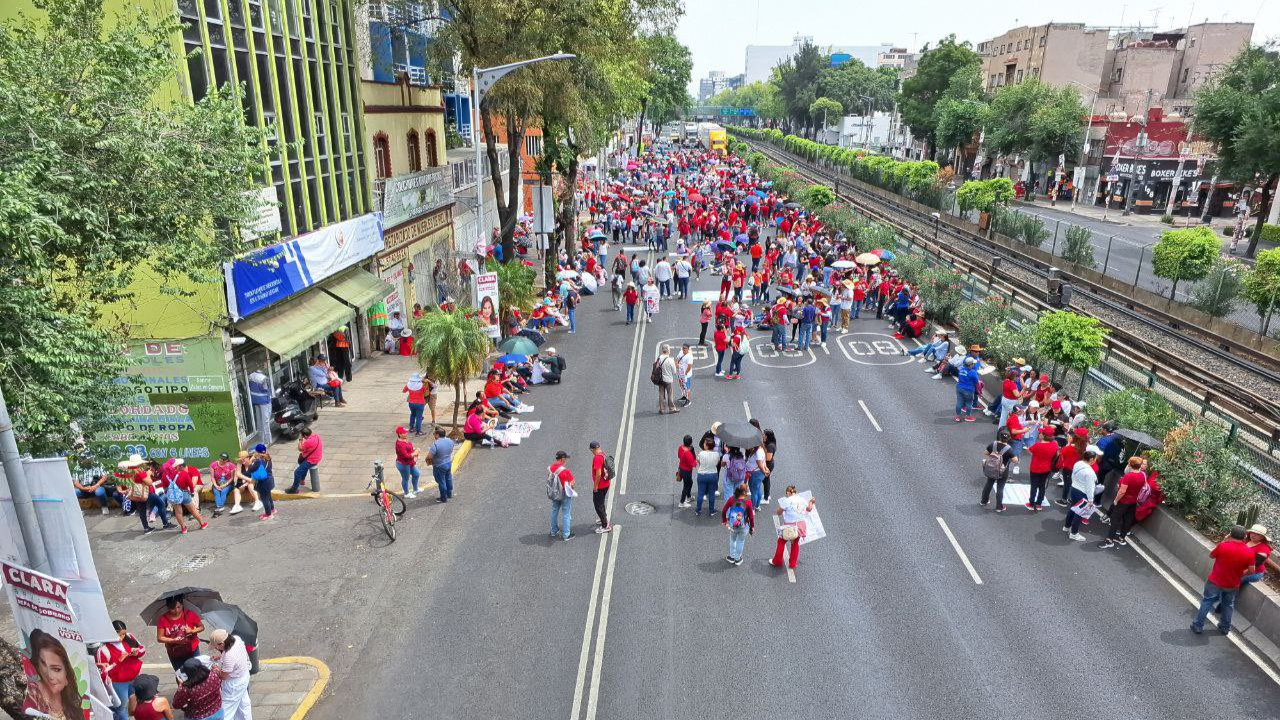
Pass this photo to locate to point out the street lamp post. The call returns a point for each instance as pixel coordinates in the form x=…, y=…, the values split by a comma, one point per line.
x=482, y=79
x=867, y=122
x=1084, y=149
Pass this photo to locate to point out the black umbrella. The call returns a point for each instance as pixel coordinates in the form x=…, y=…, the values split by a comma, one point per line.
x=819, y=290
x=792, y=205
x=193, y=598
x=1141, y=438
x=790, y=292
x=725, y=245
x=537, y=337
x=742, y=435
x=221, y=616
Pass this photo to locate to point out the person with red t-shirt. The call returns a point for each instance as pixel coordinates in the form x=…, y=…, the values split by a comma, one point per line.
x=631, y=297
x=1232, y=560
x=1125, y=506
x=883, y=290
x=721, y=342
x=1043, y=453
x=178, y=629
x=756, y=252
x=599, y=487
x=120, y=662
x=686, y=461
x=736, y=353
x=739, y=274
x=407, y=462
x=1067, y=457
x=184, y=484
x=562, y=504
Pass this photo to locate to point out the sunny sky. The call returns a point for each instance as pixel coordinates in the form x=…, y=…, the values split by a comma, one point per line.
x=718, y=31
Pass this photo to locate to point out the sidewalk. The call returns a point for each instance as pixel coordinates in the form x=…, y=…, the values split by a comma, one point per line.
x=283, y=689
x=1114, y=216
x=363, y=431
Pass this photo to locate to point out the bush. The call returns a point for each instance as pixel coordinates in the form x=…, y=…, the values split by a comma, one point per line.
x=818, y=196
x=984, y=195
x=1005, y=342
x=974, y=320
x=911, y=267
x=1219, y=293
x=1167, y=219
x=1141, y=410
x=942, y=290
x=1185, y=254
x=1078, y=248
x=1202, y=475
x=1270, y=233
x=1071, y=340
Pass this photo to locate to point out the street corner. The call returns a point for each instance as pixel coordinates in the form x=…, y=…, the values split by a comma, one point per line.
x=284, y=688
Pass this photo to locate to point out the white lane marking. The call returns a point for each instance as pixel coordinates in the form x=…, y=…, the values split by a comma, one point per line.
x=594, y=695
x=746, y=409
x=631, y=426
x=825, y=349
x=867, y=410
x=960, y=551
x=791, y=575
x=1195, y=601
x=585, y=653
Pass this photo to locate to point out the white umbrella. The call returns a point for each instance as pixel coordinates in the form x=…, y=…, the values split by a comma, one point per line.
x=566, y=274
x=844, y=264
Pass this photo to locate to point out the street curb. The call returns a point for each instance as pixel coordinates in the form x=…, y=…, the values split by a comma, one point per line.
x=309, y=700
x=459, y=458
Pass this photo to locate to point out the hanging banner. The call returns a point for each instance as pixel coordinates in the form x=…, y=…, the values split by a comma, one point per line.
x=486, y=302
x=267, y=276
x=409, y=196
x=55, y=658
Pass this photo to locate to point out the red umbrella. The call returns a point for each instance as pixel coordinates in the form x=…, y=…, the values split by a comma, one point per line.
x=696, y=198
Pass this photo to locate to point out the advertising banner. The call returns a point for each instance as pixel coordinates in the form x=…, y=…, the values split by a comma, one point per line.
x=55, y=659
x=269, y=275
x=486, y=302
x=409, y=196
x=183, y=406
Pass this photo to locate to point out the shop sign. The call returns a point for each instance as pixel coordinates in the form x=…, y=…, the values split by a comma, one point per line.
x=267, y=276
x=400, y=242
x=181, y=406
x=409, y=196
x=394, y=301
x=1156, y=169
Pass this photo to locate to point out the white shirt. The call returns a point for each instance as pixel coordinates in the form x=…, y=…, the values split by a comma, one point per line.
x=708, y=462
x=651, y=293
x=794, y=508
x=1083, y=478
x=662, y=271
x=235, y=661
x=683, y=268
x=684, y=364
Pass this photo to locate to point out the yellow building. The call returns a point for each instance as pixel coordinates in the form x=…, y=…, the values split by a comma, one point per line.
x=412, y=187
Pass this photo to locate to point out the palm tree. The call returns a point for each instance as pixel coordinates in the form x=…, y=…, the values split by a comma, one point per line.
x=515, y=288
x=451, y=348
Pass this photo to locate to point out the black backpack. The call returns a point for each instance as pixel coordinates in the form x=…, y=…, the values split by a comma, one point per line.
x=609, y=472
x=655, y=375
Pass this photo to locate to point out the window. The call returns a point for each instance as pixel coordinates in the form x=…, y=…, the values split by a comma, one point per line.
x=1019, y=47
x=433, y=151
x=1117, y=75
x=415, y=152
x=1019, y=76
x=1186, y=72
x=1043, y=40
x=381, y=156
x=533, y=145
x=1035, y=72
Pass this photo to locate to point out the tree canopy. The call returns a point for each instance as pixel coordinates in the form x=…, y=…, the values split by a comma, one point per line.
x=1038, y=120
x=105, y=185
x=1185, y=254
x=797, y=79
x=850, y=82
x=918, y=100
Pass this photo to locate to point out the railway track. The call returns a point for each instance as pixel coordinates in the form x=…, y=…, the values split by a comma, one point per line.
x=1216, y=370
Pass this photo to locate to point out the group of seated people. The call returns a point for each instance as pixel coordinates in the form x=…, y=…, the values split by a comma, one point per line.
x=493, y=406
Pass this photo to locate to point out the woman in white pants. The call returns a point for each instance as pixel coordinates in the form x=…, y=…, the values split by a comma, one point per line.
x=233, y=668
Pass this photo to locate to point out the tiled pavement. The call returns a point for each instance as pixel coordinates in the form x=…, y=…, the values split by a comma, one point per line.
x=283, y=689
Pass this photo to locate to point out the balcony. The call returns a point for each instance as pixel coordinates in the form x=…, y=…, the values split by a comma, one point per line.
x=462, y=164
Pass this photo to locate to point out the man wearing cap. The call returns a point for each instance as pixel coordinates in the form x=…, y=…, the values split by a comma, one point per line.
x=223, y=473
x=966, y=390
x=231, y=662
x=560, y=480
x=1083, y=483
x=440, y=455
x=1232, y=560
x=599, y=487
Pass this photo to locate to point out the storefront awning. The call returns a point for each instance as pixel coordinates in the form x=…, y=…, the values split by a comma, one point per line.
x=360, y=289
x=290, y=327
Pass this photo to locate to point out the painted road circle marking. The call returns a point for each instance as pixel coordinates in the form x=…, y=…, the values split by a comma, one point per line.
x=703, y=356
x=764, y=354
x=873, y=348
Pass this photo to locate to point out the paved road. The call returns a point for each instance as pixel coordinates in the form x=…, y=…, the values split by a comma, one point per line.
x=482, y=615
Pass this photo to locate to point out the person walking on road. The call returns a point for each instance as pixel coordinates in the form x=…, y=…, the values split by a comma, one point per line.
x=1043, y=455
x=600, y=479
x=996, y=463
x=662, y=273
x=1083, y=482
x=440, y=455
x=666, y=373
x=1232, y=560
x=684, y=372
x=686, y=462
x=310, y=453
x=631, y=297
x=739, y=516
x=560, y=491
x=708, y=474
x=407, y=463
x=651, y=300
x=705, y=316
x=792, y=510
x=417, y=390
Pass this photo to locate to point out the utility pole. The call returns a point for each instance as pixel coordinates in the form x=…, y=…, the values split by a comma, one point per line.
x=1177, y=176
x=1142, y=145
x=16, y=478
x=1084, y=151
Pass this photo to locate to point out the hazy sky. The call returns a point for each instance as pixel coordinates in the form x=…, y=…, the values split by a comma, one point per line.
x=718, y=31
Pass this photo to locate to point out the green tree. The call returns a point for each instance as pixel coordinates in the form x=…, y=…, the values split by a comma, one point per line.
x=851, y=82
x=796, y=79
x=667, y=67
x=1262, y=286
x=1037, y=120
x=1078, y=247
x=1219, y=293
x=1185, y=254
x=515, y=288
x=961, y=113
x=1071, y=340
x=825, y=108
x=104, y=186
x=1237, y=110
x=759, y=96
x=451, y=348
x=920, y=94
x=984, y=195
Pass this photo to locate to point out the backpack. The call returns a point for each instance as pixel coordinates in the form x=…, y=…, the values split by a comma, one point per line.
x=260, y=471
x=993, y=464
x=737, y=469
x=655, y=375
x=609, y=472
x=555, y=488
x=1145, y=493
x=736, y=518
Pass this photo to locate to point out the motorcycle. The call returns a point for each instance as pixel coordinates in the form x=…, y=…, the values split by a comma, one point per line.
x=292, y=409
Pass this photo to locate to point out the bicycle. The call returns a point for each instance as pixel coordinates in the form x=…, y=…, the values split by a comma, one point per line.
x=386, y=501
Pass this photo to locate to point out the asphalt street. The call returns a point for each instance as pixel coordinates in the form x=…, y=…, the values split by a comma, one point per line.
x=476, y=613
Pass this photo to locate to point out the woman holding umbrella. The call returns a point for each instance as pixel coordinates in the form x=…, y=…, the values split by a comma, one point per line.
x=178, y=629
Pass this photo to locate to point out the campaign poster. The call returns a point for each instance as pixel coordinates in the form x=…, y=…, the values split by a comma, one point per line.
x=55, y=659
x=486, y=301
x=811, y=526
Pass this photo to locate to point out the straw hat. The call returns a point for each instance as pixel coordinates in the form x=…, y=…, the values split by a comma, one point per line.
x=134, y=461
x=1259, y=530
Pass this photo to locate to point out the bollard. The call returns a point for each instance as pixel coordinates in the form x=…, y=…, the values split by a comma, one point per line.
x=315, y=479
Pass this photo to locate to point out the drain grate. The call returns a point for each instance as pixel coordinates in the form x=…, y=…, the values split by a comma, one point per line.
x=195, y=562
x=640, y=508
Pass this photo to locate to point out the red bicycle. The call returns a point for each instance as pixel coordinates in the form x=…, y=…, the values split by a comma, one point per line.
x=390, y=505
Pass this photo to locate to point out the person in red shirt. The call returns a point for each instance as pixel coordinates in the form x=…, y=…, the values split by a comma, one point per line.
x=600, y=487
x=178, y=629
x=1043, y=452
x=631, y=297
x=757, y=252
x=686, y=461
x=120, y=662
x=739, y=516
x=1232, y=560
x=562, y=506
x=184, y=484
x=407, y=462
x=1125, y=506
x=1067, y=457
x=721, y=342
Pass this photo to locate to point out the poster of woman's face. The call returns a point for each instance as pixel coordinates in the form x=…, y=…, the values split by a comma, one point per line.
x=487, y=315
x=52, y=685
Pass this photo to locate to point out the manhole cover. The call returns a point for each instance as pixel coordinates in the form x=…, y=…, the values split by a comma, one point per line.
x=195, y=562
x=640, y=508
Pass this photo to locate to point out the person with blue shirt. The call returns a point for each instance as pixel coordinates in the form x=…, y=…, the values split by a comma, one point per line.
x=967, y=389
x=1111, y=446
x=440, y=455
x=319, y=374
x=808, y=316
x=260, y=398
x=901, y=304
